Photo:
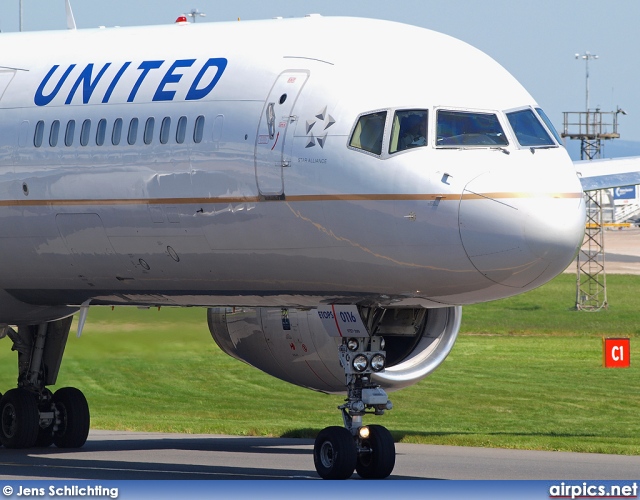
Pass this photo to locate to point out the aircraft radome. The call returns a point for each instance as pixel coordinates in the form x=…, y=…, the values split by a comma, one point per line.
x=330, y=198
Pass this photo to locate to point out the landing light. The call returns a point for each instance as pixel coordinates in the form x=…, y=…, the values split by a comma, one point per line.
x=360, y=363
x=353, y=344
x=363, y=432
x=377, y=362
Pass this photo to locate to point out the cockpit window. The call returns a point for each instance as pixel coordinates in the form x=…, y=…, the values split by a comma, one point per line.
x=409, y=130
x=369, y=132
x=464, y=129
x=549, y=125
x=528, y=129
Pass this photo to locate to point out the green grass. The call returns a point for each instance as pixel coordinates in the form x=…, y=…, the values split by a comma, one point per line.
x=550, y=310
x=525, y=373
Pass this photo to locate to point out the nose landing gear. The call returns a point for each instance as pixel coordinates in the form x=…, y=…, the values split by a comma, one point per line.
x=369, y=450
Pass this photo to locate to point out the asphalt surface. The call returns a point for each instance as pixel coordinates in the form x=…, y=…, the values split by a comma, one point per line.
x=113, y=455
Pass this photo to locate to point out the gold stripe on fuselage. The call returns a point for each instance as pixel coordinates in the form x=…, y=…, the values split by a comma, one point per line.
x=289, y=198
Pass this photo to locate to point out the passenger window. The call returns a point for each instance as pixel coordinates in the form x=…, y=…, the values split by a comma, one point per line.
x=464, y=129
x=69, y=132
x=148, y=130
x=132, y=135
x=39, y=133
x=369, y=132
x=116, y=134
x=85, y=131
x=528, y=129
x=198, y=130
x=165, y=129
x=181, y=129
x=409, y=130
x=54, y=133
x=101, y=131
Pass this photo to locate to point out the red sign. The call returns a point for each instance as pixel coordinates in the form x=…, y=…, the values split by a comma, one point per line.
x=616, y=353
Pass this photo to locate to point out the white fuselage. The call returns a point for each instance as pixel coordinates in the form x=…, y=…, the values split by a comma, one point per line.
x=264, y=202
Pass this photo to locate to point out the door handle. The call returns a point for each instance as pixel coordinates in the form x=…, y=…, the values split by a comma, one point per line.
x=271, y=119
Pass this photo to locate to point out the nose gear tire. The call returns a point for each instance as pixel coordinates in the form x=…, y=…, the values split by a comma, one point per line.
x=334, y=453
x=379, y=462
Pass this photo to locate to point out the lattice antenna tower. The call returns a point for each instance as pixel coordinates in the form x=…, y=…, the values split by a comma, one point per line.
x=591, y=127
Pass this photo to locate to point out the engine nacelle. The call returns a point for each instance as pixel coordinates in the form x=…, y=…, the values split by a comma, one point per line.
x=292, y=344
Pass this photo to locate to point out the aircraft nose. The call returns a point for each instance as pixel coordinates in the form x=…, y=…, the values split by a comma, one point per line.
x=516, y=238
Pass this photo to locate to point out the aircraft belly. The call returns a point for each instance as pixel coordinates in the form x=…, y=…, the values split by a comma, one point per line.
x=289, y=252
x=13, y=311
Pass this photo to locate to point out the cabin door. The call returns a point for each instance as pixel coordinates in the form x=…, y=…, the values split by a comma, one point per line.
x=276, y=119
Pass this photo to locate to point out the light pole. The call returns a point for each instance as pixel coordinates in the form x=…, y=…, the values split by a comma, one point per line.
x=20, y=16
x=587, y=56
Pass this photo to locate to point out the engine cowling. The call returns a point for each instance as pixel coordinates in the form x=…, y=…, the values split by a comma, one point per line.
x=292, y=344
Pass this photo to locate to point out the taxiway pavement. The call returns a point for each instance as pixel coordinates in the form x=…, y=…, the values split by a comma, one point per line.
x=115, y=455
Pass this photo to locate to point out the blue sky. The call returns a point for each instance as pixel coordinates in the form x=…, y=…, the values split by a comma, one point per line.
x=535, y=40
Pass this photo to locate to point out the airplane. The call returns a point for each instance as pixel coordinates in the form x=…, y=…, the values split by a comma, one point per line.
x=330, y=196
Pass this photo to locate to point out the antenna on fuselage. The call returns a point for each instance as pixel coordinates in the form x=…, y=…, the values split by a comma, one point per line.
x=194, y=14
x=71, y=22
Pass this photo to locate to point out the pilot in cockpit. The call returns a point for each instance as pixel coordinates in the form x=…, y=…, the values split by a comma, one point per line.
x=413, y=132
